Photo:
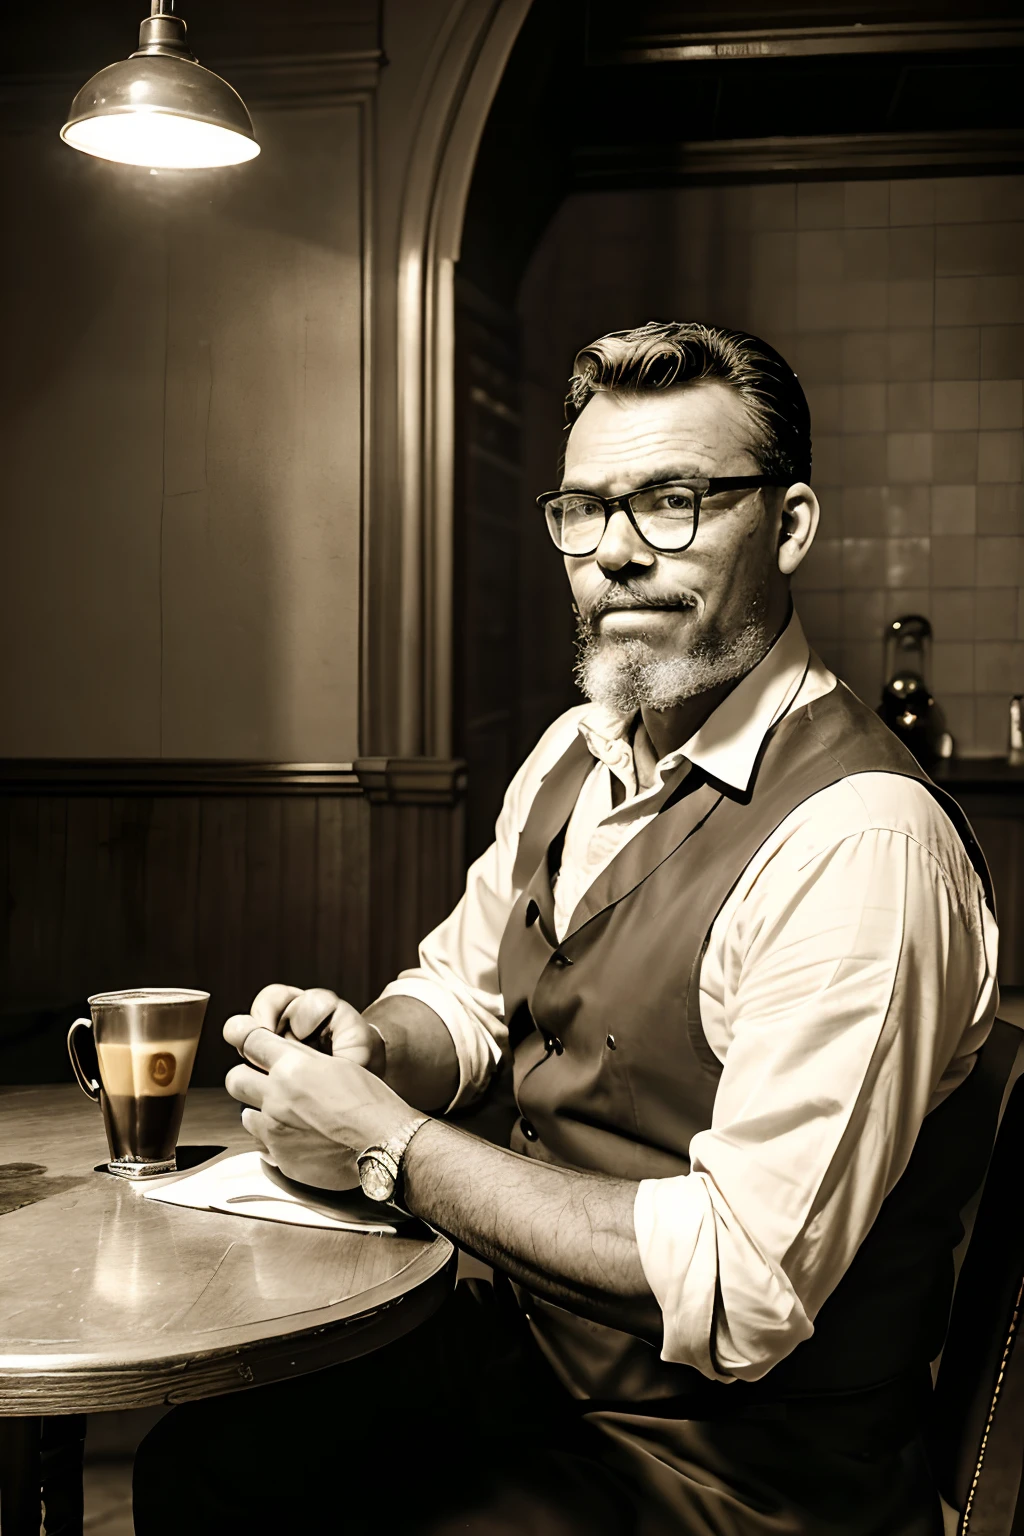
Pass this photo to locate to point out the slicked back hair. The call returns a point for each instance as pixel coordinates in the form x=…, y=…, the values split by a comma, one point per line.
x=659, y=355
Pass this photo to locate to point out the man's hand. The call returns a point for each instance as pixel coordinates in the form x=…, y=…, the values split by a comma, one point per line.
x=291, y=1011
x=564, y=1234
x=311, y=1114
x=398, y=1038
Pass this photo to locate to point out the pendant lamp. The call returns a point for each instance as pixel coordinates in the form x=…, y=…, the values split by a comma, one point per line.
x=160, y=107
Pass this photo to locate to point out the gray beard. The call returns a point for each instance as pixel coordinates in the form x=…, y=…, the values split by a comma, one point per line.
x=628, y=674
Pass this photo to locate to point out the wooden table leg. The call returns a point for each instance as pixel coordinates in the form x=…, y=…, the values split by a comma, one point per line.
x=62, y=1454
x=20, y=1502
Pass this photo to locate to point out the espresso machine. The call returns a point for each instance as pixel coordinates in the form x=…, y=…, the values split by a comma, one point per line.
x=907, y=706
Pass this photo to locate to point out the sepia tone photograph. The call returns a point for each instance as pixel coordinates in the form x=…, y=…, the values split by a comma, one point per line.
x=512, y=768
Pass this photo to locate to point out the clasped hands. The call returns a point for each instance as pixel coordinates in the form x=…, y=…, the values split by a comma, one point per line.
x=312, y=1113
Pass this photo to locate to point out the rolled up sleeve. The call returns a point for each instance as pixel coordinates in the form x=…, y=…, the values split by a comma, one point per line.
x=861, y=986
x=457, y=977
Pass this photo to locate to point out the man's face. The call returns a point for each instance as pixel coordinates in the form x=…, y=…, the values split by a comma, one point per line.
x=656, y=628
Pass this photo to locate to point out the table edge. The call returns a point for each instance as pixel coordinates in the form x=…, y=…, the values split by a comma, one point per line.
x=231, y=1359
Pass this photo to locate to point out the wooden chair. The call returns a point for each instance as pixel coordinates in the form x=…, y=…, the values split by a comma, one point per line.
x=977, y=1439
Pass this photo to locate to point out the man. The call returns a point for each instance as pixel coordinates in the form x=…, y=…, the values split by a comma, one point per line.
x=743, y=966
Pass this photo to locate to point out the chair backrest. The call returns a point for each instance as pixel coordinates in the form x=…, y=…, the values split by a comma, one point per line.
x=977, y=1437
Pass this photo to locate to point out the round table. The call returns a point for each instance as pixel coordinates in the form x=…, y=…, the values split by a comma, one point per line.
x=109, y=1301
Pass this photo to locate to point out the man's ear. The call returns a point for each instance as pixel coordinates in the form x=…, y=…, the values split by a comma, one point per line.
x=798, y=525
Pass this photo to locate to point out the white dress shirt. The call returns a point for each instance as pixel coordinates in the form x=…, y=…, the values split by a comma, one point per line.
x=848, y=984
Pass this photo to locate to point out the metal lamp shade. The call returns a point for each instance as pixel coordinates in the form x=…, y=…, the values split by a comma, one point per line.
x=162, y=111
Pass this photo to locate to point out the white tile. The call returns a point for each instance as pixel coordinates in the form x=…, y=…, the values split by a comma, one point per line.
x=912, y=202
x=820, y=205
x=953, y=508
x=865, y=204
x=1000, y=404
x=955, y=405
x=999, y=456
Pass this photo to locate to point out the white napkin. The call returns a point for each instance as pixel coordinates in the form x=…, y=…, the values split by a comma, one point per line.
x=245, y=1185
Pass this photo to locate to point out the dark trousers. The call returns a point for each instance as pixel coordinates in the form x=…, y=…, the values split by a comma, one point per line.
x=461, y=1427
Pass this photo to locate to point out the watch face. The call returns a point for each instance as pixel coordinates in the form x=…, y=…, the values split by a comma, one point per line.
x=375, y=1179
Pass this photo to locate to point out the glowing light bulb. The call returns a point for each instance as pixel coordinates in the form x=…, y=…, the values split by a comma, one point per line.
x=161, y=108
x=149, y=136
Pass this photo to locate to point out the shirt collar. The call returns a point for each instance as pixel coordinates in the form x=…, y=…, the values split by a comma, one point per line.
x=726, y=746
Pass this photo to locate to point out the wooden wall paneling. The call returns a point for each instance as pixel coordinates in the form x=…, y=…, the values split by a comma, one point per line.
x=23, y=874
x=53, y=844
x=426, y=831
x=220, y=902
x=416, y=877
x=415, y=856
x=339, y=951
x=77, y=888
x=389, y=899
x=36, y=902
x=350, y=929
x=47, y=873
x=298, y=889
x=225, y=880
x=220, y=924
x=415, y=829
x=125, y=895
x=171, y=879
x=263, y=883
x=87, y=908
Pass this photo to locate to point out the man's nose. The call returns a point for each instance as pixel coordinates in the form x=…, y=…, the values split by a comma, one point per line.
x=621, y=545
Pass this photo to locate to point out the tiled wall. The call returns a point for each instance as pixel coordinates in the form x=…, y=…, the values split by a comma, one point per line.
x=901, y=306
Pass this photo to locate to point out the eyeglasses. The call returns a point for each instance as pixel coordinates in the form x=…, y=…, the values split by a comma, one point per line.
x=665, y=516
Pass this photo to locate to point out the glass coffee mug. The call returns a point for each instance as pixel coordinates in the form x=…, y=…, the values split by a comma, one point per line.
x=144, y=1045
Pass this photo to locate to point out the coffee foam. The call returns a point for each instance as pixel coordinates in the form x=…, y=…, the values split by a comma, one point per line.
x=148, y=995
x=145, y=1068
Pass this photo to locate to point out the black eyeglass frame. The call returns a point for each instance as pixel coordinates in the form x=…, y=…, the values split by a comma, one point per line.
x=700, y=486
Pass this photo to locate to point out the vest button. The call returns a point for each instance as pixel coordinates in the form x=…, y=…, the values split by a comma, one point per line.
x=532, y=913
x=560, y=960
x=527, y=1129
x=610, y=1042
x=557, y=1046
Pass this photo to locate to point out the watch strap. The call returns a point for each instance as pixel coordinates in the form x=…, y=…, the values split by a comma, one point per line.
x=389, y=1154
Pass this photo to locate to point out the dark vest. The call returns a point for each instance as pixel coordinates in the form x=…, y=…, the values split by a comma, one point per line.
x=613, y=1073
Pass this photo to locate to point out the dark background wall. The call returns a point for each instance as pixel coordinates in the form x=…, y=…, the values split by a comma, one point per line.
x=181, y=431
x=856, y=199
x=900, y=303
x=852, y=193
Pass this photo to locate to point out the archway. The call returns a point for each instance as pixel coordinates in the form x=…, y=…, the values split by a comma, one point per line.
x=747, y=167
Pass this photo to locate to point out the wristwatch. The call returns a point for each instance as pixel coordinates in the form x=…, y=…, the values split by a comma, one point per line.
x=380, y=1166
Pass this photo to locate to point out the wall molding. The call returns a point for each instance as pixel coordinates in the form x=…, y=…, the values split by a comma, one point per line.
x=409, y=571
x=302, y=80
x=797, y=42
x=166, y=776
x=875, y=154
x=411, y=780
x=380, y=780
x=289, y=81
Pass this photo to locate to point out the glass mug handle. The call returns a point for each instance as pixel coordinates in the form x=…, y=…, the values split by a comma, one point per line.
x=88, y=1084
